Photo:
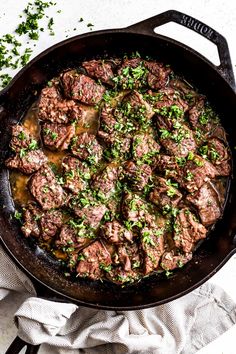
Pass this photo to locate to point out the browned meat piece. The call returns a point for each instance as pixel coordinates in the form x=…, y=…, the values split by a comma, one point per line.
x=104, y=183
x=187, y=231
x=86, y=147
x=171, y=260
x=134, y=210
x=52, y=107
x=81, y=87
x=218, y=154
x=72, y=239
x=184, y=88
x=128, y=256
x=138, y=175
x=158, y=74
x=164, y=193
x=27, y=161
x=31, y=216
x=101, y=69
x=120, y=276
x=135, y=107
x=114, y=232
x=152, y=244
x=57, y=136
x=196, y=111
x=75, y=173
x=195, y=173
x=118, y=145
x=191, y=174
x=107, y=119
x=91, y=214
x=45, y=188
x=50, y=223
x=178, y=142
x=93, y=259
x=207, y=202
x=21, y=139
x=170, y=105
x=145, y=148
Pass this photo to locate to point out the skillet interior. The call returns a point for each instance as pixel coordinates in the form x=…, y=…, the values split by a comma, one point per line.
x=209, y=257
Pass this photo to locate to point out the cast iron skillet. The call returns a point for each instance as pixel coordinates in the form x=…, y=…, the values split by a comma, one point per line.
x=217, y=82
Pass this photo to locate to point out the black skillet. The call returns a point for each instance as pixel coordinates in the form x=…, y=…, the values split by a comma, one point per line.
x=216, y=82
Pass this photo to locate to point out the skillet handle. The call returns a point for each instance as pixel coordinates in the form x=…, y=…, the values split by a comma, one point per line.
x=19, y=344
x=147, y=27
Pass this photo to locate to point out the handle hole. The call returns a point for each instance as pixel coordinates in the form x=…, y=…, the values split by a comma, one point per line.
x=191, y=39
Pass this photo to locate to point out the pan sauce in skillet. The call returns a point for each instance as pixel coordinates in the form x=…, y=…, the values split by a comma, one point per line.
x=120, y=169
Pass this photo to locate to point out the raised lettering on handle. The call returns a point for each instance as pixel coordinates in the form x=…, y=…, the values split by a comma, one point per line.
x=197, y=26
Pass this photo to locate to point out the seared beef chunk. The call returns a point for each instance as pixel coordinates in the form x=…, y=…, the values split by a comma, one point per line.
x=50, y=223
x=135, y=73
x=174, y=259
x=101, y=69
x=114, y=232
x=187, y=231
x=137, y=175
x=81, y=87
x=52, y=107
x=41, y=224
x=185, y=89
x=107, y=119
x=94, y=260
x=118, y=145
x=57, y=136
x=170, y=105
x=207, y=202
x=218, y=154
x=46, y=190
x=135, y=211
x=178, y=141
x=86, y=147
x=73, y=237
x=191, y=172
x=29, y=158
x=134, y=106
x=91, y=214
x=29, y=162
x=152, y=244
x=21, y=139
x=104, y=183
x=157, y=76
x=165, y=193
x=31, y=216
x=144, y=148
x=76, y=173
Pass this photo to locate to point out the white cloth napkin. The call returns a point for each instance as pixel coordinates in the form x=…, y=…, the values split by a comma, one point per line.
x=181, y=326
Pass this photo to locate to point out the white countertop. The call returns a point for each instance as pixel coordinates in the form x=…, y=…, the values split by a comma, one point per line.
x=104, y=14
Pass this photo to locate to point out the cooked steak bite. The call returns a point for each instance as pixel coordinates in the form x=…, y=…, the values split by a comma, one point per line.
x=170, y=104
x=101, y=70
x=22, y=139
x=50, y=223
x=158, y=74
x=187, y=231
x=57, y=136
x=207, y=202
x=135, y=211
x=178, y=142
x=118, y=145
x=114, y=232
x=107, y=119
x=27, y=162
x=94, y=258
x=152, y=244
x=45, y=189
x=138, y=175
x=86, y=147
x=52, y=107
x=165, y=193
x=174, y=259
x=92, y=215
x=31, y=215
x=132, y=74
x=76, y=174
x=218, y=154
x=144, y=148
x=104, y=183
x=128, y=256
x=81, y=87
x=185, y=89
x=73, y=237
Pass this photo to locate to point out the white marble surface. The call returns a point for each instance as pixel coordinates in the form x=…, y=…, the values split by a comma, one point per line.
x=220, y=15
